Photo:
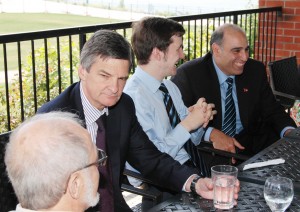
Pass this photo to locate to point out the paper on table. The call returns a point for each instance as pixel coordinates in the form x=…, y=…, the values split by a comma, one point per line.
x=264, y=163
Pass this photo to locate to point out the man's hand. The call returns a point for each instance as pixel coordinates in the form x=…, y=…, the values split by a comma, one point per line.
x=224, y=142
x=199, y=115
x=204, y=188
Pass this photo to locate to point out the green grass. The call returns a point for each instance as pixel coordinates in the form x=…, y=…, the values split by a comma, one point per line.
x=28, y=22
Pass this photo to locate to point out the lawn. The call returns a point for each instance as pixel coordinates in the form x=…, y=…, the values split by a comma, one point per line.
x=28, y=22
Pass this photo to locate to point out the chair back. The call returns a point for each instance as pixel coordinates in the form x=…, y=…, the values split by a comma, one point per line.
x=284, y=75
x=285, y=78
x=8, y=199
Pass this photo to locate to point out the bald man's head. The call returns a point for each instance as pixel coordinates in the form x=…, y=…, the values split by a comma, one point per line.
x=41, y=155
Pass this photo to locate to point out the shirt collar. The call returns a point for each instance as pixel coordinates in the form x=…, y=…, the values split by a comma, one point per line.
x=221, y=76
x=90, y=112
x=149, y=81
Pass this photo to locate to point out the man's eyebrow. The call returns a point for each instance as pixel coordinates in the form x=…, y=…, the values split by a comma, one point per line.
x=239, y=48
x=103, y=71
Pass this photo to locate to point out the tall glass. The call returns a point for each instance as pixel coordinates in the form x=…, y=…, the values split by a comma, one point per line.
x=278, y=193
x=224, y=178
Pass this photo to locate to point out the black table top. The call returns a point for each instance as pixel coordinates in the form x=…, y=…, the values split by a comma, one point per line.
x=287, y=148
x=251, y=199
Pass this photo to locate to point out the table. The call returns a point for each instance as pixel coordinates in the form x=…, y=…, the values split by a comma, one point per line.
x=287, y=148
x=251, y=199
x=252, y=181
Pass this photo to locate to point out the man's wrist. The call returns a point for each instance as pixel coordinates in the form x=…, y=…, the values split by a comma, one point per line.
x=193, y=184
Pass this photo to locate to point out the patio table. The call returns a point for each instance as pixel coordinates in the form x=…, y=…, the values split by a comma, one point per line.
x=251, y=199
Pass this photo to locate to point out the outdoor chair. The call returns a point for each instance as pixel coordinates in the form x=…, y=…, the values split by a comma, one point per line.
x=285, y=81
x=214, y=156
x=155, y=196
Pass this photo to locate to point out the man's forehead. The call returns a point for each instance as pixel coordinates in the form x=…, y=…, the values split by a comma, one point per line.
x=112, y=66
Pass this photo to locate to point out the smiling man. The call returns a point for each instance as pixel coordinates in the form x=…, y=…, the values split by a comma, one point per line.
x=109, y=116
x=254, y=119
x=157, y=44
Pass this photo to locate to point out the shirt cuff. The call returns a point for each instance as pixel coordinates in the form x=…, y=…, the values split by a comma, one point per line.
x=207, y=133
x=183, y=189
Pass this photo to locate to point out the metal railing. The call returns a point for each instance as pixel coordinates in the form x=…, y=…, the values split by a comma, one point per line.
x=45, y=62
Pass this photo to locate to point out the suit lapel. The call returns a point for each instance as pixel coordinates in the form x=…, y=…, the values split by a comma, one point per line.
x=242, y=91
x=213, y=91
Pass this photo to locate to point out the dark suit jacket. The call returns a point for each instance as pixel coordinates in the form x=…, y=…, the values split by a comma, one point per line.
x=126, y=141
x=262, y=117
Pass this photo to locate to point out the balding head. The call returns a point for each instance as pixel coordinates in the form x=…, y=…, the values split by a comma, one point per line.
x=218, y=35
x=41, y=155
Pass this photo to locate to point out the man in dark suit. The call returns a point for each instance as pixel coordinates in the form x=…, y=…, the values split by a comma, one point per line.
x=105, y=62
x=259, y=119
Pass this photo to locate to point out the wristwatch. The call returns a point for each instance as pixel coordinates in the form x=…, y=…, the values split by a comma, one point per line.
x=193, y=184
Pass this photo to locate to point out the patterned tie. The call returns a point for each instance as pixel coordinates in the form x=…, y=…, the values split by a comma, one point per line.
x=105, y=183
x=229, y=123
x=189, y=146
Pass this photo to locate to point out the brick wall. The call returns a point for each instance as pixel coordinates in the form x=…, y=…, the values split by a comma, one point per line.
x=288, y=28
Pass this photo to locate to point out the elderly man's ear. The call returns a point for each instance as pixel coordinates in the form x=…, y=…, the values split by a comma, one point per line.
x=75, y=185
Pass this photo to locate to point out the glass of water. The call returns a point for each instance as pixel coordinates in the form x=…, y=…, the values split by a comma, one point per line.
x=278, y=193
x=224, y=178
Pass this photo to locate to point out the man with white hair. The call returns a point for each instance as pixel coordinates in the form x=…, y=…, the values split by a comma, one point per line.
x=52, y=164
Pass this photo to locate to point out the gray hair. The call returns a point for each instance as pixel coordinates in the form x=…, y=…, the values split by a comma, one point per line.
x=218, y=34
x=105, y=44
x=40, y=162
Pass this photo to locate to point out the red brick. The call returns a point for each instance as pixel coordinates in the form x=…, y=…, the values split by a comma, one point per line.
x=282, y=53
x=262, y=3
x=294, y=4
x=279, y=45
x=284, y=39
x=279, y=31
x=291, y=32
x=290, y=11
x=286, y=25
x=292, y=46
x=297, y=40
x=274, y=3
x=291, y=18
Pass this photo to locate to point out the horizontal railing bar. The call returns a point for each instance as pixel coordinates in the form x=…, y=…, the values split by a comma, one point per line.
x=8, y=38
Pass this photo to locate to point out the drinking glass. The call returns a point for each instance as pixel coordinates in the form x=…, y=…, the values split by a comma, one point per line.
x=278, y=193
x=224, y=178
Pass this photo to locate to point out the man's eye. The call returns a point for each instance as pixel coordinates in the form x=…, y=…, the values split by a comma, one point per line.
x=104, y=76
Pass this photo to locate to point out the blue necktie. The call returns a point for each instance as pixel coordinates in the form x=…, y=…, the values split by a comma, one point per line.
x=229, y=123
x=191, y=149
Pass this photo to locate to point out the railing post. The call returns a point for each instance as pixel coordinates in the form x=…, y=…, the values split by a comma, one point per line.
x=235, y=19
x=82, y=40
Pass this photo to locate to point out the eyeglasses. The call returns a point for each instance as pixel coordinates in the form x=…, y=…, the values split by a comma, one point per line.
x=102, y=158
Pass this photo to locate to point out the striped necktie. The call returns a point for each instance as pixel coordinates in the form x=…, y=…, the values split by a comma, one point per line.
x=191, y=149
x=229, y=123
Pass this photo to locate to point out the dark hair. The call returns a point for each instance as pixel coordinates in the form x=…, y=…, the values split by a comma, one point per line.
x=105, y=44
x=151, y=32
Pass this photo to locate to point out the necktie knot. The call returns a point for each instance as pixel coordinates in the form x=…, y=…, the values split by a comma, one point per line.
x=229, y=81
x=163, y=88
